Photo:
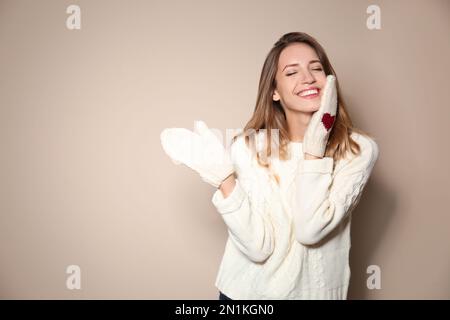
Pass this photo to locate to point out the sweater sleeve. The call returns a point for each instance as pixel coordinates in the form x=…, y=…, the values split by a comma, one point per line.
x=248, y=227
x=321, y=201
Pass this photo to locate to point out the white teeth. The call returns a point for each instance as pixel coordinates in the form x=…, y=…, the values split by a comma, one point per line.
x=308, y=92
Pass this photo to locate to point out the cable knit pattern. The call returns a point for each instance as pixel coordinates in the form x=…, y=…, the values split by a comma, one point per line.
x=291, y=241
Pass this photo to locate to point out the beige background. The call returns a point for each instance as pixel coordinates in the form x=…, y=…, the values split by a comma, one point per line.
x=84, y=179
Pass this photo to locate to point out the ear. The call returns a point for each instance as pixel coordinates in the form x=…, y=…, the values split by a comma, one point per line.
x=275, y=96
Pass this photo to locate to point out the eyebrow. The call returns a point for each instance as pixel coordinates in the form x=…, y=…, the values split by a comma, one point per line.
x=296, y=64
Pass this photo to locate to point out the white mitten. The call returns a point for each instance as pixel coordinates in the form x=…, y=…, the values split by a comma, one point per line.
x=319, y=127
x=200, y=150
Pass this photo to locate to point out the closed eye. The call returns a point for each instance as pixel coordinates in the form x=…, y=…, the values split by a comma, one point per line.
x=316, y=69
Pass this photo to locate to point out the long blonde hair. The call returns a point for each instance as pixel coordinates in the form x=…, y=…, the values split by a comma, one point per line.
x=269, y=114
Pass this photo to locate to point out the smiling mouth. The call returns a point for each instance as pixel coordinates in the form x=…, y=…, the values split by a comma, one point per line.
x=309, y=94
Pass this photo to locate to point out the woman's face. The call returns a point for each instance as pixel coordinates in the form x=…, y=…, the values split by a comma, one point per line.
x=300, y=78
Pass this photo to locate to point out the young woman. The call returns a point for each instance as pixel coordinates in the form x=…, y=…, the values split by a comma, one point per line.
x=287, y=185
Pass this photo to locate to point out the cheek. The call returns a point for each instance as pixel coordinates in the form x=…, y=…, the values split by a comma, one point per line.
x=286, y=86
x=322, y=85
x=322, y=79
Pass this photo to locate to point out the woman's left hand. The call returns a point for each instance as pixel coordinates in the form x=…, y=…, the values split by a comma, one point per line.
x=322, y=121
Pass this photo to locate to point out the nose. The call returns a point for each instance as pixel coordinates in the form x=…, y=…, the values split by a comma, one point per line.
x=307, y=77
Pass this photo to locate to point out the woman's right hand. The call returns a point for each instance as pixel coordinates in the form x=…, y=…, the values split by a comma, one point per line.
x=200, y=150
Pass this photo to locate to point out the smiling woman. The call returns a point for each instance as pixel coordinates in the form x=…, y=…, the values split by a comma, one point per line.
x=288, y=216
x=297, y=64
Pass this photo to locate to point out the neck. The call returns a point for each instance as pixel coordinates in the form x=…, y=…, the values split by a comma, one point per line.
x=297, y=122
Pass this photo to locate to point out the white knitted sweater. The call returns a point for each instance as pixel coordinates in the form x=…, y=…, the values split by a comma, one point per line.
x=291, y=241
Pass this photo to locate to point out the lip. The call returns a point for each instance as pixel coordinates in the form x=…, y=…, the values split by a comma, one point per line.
x=311, y=96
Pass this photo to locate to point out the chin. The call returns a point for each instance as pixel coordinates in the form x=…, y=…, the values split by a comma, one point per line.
x=312, y=107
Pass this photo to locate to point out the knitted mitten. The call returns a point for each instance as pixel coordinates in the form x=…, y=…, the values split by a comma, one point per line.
x=319, y=127
x=200, y=150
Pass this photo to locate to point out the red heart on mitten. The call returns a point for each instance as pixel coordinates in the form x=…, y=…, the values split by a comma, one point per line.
x=328, y=120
